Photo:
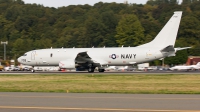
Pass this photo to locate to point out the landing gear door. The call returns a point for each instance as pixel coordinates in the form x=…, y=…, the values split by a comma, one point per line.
x=33, y=55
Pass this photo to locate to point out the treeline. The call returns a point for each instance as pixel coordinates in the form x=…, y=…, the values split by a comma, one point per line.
x=32, y=26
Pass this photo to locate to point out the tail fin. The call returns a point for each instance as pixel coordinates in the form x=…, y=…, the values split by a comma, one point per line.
x=198, y=64
x=167, y=35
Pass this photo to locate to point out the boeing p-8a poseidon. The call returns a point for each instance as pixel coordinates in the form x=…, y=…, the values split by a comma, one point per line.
x=90, y=58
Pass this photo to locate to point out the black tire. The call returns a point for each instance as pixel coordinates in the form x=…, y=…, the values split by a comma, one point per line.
x=90, y=69
x=33, y=71
x=101, y=70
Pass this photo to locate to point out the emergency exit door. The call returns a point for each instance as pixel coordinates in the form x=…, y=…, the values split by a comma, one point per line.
x=33, y=55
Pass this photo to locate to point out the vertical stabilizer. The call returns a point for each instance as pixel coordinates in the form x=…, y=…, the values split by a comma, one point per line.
x=198, y=64
x=167, y=36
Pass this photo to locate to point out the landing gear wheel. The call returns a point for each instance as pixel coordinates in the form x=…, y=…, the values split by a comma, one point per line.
x=33, y=71
x=101, y=70
x=91, y=69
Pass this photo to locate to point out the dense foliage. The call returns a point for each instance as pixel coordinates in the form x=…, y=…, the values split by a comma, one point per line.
x=31, y=26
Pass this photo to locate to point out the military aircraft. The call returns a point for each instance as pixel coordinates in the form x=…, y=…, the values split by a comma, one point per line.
x=89, y=58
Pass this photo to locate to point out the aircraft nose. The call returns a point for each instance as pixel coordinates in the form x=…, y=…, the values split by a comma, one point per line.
x=19, y=59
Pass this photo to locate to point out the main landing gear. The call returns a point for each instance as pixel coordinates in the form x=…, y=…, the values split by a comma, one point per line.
x=101, y=70
x=91, y=68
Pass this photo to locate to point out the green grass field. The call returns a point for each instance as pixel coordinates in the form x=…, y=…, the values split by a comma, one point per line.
x=88, y=83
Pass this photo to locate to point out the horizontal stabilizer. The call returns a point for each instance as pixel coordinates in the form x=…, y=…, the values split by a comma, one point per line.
x=178, y=49
x=171, y=48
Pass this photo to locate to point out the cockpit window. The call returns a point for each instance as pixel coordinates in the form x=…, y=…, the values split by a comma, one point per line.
x=25, y=55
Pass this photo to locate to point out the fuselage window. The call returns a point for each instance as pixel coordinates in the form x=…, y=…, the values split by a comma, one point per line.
x=51, y=55
x=25, y=55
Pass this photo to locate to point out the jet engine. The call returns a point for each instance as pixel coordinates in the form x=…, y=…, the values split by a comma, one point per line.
x=67, y=64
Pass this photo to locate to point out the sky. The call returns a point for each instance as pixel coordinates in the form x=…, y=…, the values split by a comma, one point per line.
x=60, y=3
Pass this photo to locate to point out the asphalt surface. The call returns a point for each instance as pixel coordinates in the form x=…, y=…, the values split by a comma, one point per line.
x=83, y=102
x=107, y=72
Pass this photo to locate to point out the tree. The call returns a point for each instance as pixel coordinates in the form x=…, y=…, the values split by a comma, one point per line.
x=189, y=28
x=42, y=43
x=110, y=20
x=95, y=32
x=95, y=29
x=22, y=45
x=173, y=2
x=19, y=1
x=158, y=2
x=6, y=28
x=104, y=24
x=185, y=2
x=129, y=31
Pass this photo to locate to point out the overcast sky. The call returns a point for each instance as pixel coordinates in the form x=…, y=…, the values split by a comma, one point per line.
x=60, y=3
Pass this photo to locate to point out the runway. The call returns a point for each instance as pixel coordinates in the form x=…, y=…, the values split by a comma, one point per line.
x=107, y=72
x=94, y=102
x=76, y=102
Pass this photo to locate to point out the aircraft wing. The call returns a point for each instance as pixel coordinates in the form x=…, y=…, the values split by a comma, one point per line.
x=83, y=57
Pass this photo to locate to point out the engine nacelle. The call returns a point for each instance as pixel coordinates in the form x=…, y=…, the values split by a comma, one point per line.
x=70, y=64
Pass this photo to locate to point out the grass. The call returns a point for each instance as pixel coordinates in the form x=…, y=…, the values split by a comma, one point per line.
x=141, y=83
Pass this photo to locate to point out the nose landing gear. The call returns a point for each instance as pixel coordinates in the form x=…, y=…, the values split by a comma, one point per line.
x=33, y=71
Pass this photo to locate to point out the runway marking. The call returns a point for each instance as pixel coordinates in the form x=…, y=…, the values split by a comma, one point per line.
x=74, y=97
x=94, y=109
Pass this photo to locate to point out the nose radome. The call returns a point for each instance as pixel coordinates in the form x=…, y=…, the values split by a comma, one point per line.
x=19, y=59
